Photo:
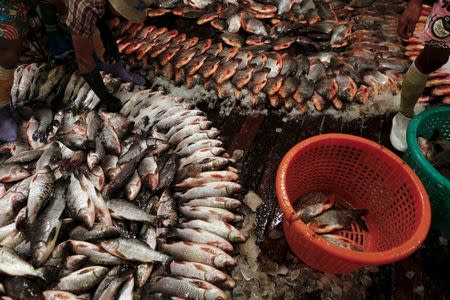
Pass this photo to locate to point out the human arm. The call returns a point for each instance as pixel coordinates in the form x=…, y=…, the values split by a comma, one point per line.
x=409, y=18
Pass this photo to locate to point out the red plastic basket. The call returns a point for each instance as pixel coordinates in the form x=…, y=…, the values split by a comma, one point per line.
x=366, y=175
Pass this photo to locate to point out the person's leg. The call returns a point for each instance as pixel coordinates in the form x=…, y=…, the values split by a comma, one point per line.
x=58, y=43
x=432, y=57
x=429, y=60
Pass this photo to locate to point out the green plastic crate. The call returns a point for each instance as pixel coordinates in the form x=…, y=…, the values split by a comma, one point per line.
x=437, y=186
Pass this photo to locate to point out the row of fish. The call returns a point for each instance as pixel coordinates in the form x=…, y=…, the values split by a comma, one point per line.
x=438, y=84
x=369, y=62
x=270, y=20
x=54, y=85
x=137, y=205
x=321, y=214
x=324, y=78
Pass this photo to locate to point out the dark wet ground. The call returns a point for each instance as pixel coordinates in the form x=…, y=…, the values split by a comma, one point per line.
x=266, y=138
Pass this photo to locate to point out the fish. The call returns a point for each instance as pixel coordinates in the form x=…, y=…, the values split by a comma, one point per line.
x=50, y=157
x=201, y=253
x=226, y=71
x=18, y=72
x=338, y=218
x=47, y=229
x=206, y=177
x=312, y=205
x=201, y=236
x=210, y=189
x=148, y=172
x=13, y=265
x=208, y=213
x=168, y=173
x=94, y=253
x=122, y=209
x=13, y=200
x=218, y=227
x=179, y=287
x=56, y=295
x=341, y=241
x=133, y=250
x=12, y=173
x=98, y=232
x=41, y=188
x=219, y=202
x=110, y=285
x=121, y=178
x=79, y=204
x=133, y=186
x=252, y=25
x=232, y=39
x=84, y=189
x=82, y=280
x=200, y=144
x=347, y=88
x=200, y=155
x=199, y=271
x=25, y=82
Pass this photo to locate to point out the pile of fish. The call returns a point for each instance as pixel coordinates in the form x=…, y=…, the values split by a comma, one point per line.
x=280, y=53
x=438, y=84
x=98, y=205
x=321, y=214
x=50, y=85
x=437, y=150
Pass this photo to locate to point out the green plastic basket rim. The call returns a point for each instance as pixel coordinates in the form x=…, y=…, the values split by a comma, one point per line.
x=414, y=149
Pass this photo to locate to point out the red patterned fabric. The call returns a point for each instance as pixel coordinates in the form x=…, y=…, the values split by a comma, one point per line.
x=9, y=31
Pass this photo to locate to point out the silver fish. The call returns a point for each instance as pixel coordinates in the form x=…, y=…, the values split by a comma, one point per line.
x=72, y=264
x=167, y=209
x=206, y=177
x=13, y=265
x=12, y=173
x=198, y=271
x=47, y=229
x=219, y=202
x=101, y=210
x=98, y=232
x=127, y=290
x=51, y=156
x=180, y=287
x=122, y=209
x=79, y=204
x=201, y=236
x=109, y=286
x=208, y=213
x=41, y=187
x=95, y=254
x=201, y=253
x=82, y=280
x=60, y=295
x=133, y=186
x=133, y=250
x=211, y=189
x=149, y=172
x=220, y=228
x=200, y=145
